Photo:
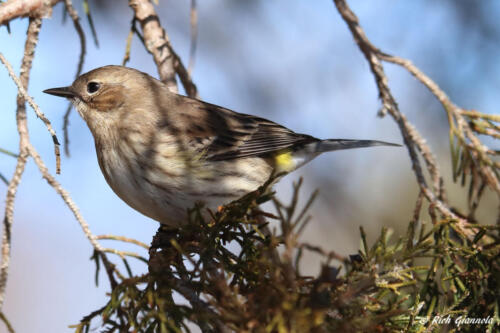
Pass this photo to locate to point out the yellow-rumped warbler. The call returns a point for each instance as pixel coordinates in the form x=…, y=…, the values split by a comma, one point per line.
x=162, y=152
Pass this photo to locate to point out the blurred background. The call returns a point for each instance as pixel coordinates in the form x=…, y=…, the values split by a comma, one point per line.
x=293, y=62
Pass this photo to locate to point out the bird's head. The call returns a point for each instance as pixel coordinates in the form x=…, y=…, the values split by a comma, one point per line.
x=107, y=94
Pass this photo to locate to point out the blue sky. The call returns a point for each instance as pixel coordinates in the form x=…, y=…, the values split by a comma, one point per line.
x=291, y=61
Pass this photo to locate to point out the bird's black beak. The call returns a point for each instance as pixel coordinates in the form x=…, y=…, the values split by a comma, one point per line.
x=61, y=92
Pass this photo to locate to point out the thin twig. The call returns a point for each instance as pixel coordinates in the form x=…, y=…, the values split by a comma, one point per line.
x=412, y=138
x=83, y=49
x=475, y=114
x=37, y=110
x=410, y=135
x=110, y=268
x=86, y=8
x=4, y=179
x=329, y=254
x=65, y=196
x=185, y=77
x=65, y=129
x=128, y=46
x=157, y=43
x=22, y=128
x=7, y=323
x=123, y=239
x=454, y=112
x=8, y=152
x=418, y=207
x=123, y=254
x=193, y=20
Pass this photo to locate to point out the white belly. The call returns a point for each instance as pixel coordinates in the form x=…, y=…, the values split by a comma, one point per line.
x=166, y=194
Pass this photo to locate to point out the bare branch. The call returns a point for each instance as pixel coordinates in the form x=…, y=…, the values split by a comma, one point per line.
x=65, y=196
x=7, y=221
x=128, y=45
x=157, y=43
x=20, y=8
x=193, y=20
x=22, y=128
x=454, y=112
x=34, y=106
x=8, y=152
x=123, y=239
x=419, y=75
x=412, y=138
x=83, y=49
x=26, y=150
x=86, y=8
x=3, y=318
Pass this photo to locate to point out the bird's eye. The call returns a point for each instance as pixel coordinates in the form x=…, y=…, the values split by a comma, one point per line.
x=92, y=87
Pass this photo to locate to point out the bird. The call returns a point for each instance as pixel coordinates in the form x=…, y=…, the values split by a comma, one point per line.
x=163, y=153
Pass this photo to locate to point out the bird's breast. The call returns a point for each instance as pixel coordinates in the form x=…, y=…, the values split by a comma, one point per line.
x=163, y=181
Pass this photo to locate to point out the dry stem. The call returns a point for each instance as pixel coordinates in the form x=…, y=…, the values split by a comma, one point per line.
x=22, y=128
x=19, y=8
x=34, y=106
x=124, y=239
x=65, y=196
x=157, y=43
x=26, y=150
x=83, y=49
x=193, y=20
x=412, y=138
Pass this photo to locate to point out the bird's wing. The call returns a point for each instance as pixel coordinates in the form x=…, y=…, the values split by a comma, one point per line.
x=222, y=134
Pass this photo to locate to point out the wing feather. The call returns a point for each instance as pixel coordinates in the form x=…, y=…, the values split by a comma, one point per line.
x=223, y=134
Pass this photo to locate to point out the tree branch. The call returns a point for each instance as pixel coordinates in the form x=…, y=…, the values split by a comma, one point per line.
x=193, y=21
x=25, y=97
x=412, y=138
x=22, y=128
x=83, y=49
x=20, y=8
x=157, y=43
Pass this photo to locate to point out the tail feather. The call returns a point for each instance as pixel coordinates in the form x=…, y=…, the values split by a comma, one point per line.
x=339, y=144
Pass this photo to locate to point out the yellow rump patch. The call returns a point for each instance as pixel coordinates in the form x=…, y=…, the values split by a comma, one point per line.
x=284, y=161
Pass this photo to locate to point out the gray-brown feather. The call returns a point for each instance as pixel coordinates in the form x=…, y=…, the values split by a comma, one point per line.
x=223, y=134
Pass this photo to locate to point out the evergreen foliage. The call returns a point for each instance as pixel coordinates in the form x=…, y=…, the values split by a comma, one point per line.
x=237, y=273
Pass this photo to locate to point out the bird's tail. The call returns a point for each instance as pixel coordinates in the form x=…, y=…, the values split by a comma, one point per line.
x=339, y=144
x=287, y=161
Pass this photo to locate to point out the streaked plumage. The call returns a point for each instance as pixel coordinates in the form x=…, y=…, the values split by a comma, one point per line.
x=162, y=152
